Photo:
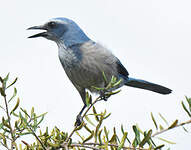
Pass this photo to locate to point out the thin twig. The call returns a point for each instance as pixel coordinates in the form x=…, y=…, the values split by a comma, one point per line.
x=9, y=121
x=162, y=131
x=37, y=137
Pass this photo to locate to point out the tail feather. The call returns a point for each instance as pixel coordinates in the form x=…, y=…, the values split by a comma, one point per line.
x=137, y=83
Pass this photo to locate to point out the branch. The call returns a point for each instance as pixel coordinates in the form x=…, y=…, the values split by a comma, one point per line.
x=88, y=145
x=162, y=131
x=9, y=121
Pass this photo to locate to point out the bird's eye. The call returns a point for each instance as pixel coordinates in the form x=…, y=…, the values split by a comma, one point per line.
x=51, y=24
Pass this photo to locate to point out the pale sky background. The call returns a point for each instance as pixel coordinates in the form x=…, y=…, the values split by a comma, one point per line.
x=151, y=38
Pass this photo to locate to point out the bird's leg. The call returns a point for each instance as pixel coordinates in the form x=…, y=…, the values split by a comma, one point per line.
x=79, y=118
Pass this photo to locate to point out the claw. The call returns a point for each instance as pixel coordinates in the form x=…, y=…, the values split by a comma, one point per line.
x=103, y=95
x=79, y=120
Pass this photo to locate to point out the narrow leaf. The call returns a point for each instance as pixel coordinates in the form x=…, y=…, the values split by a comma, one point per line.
x=1, y=80
x=104, y=77
x=99, y=136
x=89, y=137
x=122, y=141
x=159, y=147
x=167, y=141
x=12, y=83
x=163, y=119
x=107, y=116
x=146, y=138
x=106, y=133
x=16, y=106
x=117, y=83
x=87, y=99
x=137, y=134
x=80, y=135
x=154, y=120
x=95, y=114
x=88, y=119
x=6, y=78
x=173, y=124
x=86, y=127
x=189, y=102
x=14, y=94
x=189, y=114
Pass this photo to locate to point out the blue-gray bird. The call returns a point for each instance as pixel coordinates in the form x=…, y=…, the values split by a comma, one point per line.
x=84, y=60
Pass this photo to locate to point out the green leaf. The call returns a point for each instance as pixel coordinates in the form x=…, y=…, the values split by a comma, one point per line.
x=173, y=124
x=113, y=139
x=189, y=102
x=106, y=133
x=16, y=106
x=137, y=134
x=6, y=78
x=1, y=80
x=154, y=120
x=87, y=99
x=104, y=77
x=114, y=92
x=97, y=88
x=80, y=135
x=22, y=118
x=25, y=133
x=167, y=141
x=32, y=111
x=189, y=114
x=14, y=94
x=139, y=129
x=117, y=83
x=98, y=127
x=99, y=136
x=86, y=127
x=25, y=112
x=159, y=147
x=89, y=137
x=88, y=120
x=122, y=141
x=43, y=114
x=122, y=130
x=163, y=119
x=1, y=125
x=95, y=114
x=42, y=118
x=146, y=138
x=12, y=83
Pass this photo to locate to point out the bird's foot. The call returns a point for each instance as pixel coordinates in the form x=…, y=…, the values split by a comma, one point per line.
x=103, y=95
x=79, y=120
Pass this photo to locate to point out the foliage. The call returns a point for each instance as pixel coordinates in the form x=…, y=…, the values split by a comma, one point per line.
x=16, y=123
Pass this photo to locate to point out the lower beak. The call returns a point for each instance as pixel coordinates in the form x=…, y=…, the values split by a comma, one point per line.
x=43, y=34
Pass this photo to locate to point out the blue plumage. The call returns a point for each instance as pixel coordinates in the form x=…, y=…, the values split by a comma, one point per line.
x=84, y=60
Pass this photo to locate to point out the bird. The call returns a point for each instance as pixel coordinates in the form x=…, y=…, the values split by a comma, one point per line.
x=85, y=60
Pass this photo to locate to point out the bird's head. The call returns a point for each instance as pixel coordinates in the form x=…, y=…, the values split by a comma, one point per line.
x=62, y=31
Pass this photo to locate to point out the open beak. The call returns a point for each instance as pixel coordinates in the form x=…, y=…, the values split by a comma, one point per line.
x=42, y=34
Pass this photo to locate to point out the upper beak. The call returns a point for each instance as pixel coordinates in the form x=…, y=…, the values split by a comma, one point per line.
x=43, y=34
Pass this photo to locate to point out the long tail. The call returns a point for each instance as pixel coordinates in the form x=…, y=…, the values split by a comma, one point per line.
x=137, y=83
